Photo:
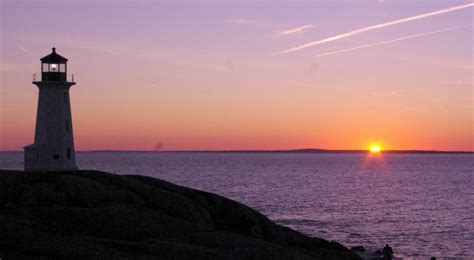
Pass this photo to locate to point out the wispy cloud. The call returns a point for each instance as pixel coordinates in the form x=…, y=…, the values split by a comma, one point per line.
x=6, y=66
x=374, y=27
x=297, y=30
x=438, y=62
x=248, y=22
x=151, y=86
x=391, y=41
x=16, y=67
x=25, y=50
x=458, y=82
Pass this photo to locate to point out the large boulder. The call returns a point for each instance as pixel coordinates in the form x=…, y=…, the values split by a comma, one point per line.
x=99, y=214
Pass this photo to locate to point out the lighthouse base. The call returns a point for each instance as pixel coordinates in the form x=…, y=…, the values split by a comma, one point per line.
x=38, y=158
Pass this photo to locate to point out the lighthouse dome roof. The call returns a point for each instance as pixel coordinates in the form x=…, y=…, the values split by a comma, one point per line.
x=53, y=58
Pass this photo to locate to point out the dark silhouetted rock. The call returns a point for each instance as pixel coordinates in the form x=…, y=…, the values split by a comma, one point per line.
x=96, y=214
x=358, y=249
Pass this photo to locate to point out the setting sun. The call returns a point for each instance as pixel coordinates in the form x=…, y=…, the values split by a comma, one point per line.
x=375, y=149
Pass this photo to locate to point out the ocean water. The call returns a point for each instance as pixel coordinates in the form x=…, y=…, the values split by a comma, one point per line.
x=420, y=204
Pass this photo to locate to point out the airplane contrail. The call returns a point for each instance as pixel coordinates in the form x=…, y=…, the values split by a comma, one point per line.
x=295, y=30
x=373, y=27
x=393, y=40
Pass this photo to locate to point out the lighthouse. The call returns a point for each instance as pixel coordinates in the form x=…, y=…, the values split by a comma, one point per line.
x=53, y=147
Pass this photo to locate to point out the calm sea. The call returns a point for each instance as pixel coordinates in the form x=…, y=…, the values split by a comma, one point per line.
x=420, y=204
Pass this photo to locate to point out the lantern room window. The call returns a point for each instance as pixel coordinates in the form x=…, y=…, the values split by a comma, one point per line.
x=53, y=67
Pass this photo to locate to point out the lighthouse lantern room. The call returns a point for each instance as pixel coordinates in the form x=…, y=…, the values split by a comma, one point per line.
x=53, y=67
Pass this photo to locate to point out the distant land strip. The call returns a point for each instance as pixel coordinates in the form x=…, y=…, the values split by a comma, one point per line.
x=306, y=150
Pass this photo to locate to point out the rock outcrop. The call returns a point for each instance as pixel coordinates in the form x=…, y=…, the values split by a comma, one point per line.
x=98, y=214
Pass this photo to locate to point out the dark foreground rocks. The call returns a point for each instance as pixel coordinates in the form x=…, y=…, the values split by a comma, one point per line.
x=96, y=214
x=358, y=249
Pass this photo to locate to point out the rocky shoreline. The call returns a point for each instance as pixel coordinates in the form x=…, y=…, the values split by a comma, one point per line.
x=97, y=214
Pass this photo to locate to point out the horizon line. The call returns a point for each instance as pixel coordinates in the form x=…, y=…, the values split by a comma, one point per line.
x=299, y=150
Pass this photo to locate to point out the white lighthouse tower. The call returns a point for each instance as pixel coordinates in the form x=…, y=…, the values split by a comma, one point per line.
x=53, y=148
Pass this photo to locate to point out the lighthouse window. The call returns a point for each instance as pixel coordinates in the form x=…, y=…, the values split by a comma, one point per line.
x=56, y=156
x=54, y=68
x=65, y=98
x=69, y=153
x=67, y=125
x=37, y=155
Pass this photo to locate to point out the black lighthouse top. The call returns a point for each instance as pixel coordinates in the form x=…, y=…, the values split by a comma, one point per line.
x=53, y=58
x=53, y=67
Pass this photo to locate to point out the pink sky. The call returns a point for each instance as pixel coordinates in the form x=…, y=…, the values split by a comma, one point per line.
x=203, y=75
